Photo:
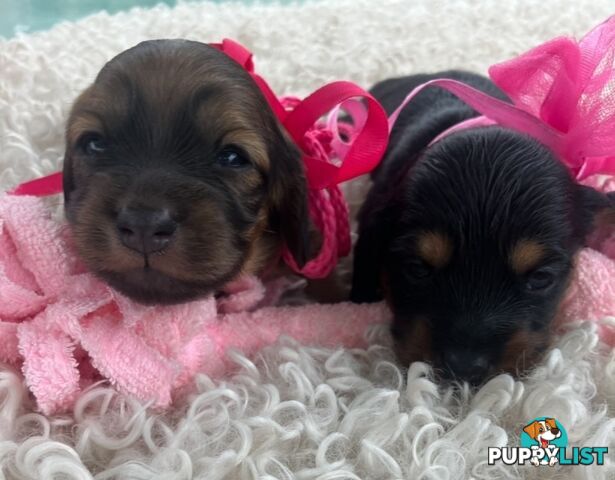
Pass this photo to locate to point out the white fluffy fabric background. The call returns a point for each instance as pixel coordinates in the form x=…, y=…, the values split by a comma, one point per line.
x=298, y=412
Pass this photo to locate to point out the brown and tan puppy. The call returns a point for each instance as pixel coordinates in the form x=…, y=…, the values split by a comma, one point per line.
x=177, y=175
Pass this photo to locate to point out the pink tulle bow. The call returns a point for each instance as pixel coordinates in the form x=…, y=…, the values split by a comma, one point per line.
x=570, y=86
x=563, y=94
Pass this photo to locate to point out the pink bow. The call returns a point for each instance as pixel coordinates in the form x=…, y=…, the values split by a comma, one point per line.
x=301, y=116
x=563, y=94
x=329, y=159
x=569, y=86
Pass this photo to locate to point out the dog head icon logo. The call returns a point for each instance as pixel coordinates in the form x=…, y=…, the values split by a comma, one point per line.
x=543, y=431
x=546, y=434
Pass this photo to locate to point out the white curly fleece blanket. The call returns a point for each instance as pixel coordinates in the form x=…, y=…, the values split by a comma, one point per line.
x=298, y=412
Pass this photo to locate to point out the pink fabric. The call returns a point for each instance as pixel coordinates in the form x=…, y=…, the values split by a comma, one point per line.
x=497, y=111
x=591, y=295
x=66, y=329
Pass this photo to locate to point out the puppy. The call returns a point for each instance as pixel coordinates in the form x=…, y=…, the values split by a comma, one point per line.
x=177, y=175
x=472, y=239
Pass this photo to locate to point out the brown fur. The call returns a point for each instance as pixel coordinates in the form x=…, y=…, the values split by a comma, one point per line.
x=80, y=125
x=263, y=246
x=166, y=110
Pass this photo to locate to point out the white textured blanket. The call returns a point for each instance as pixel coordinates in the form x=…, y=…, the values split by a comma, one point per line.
x=298, y=412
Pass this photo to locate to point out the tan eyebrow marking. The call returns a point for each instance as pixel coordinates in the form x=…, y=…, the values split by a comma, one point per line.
x=526, y=255
x=252, y=144
x=435, y=248
x=226, y=124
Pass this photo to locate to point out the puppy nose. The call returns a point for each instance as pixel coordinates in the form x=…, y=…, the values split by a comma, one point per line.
x=144, y=230
x=466, y=365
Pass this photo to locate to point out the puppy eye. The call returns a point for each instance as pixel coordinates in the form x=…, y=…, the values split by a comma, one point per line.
x=232, y=158
x=418, y=270
x=93, y=145
x=540, y=280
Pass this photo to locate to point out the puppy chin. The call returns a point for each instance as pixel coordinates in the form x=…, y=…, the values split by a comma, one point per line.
x=152, y=287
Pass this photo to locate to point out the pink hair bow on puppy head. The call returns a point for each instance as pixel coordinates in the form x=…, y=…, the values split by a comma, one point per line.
x=563, y=94
x=569, y=86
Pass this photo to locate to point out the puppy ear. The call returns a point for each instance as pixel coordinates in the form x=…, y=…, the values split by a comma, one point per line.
x=593, y=210
x=289, y=201
x=551, y=422
x=531, y=429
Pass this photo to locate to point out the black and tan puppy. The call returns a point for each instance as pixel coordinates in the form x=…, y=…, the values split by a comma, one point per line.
x=177, y=175
x=471, y=240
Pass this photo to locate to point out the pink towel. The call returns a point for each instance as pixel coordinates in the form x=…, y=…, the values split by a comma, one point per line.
x=591, y=295
x=66, y=329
